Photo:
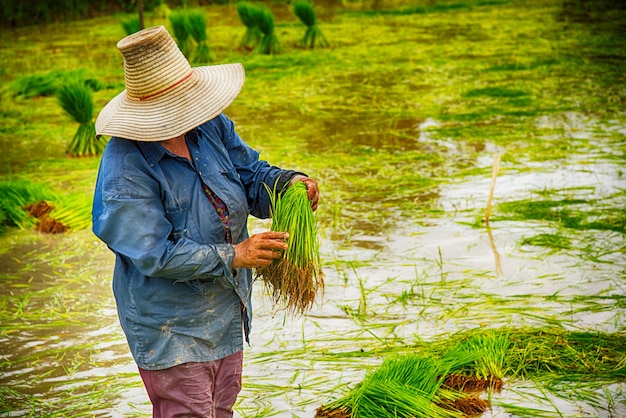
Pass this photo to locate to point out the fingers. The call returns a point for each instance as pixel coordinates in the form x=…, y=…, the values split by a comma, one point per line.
x=271, y=235
x=313, y=192
x=265, y=257
x=312, y=189
x=260, y=249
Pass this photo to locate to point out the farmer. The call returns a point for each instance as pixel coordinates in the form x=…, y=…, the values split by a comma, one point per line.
x=175, y=186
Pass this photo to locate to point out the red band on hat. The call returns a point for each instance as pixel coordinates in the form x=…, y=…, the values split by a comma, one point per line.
x=167, y=88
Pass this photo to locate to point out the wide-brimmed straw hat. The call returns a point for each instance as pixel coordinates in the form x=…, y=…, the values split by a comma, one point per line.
x=165, y=97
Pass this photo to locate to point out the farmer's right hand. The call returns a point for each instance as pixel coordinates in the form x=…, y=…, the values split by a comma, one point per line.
x=260, y=249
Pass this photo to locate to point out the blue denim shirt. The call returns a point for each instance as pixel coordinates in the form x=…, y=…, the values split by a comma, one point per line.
x=178, y=298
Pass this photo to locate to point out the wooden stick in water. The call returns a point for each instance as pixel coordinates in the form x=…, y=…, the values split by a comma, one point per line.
x=494, y=175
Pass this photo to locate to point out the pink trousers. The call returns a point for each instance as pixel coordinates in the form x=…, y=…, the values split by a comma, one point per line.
x=203, y=390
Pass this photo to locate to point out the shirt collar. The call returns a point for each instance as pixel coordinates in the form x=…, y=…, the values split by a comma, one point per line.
x=154, y=152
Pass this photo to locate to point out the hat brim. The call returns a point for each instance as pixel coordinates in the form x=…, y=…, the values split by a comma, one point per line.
x=206, y=94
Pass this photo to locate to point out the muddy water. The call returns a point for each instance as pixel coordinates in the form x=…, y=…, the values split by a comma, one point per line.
x=431, y=277
x=460, y=277
x=425, y=279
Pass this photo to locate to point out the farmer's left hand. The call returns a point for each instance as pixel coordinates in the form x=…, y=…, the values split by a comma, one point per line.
x=313, y=193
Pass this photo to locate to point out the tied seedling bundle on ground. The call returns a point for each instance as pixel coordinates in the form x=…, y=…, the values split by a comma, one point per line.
x=269, y=43
x=249, y=16
x=296, y=278
x=76, y=99
x=260, y=34
x=182, y=34
x=425, y=385
x=190, y=28
x=445, y=378
x=198, y=30
x=26, y=205
x=131, y=25
x=313, y=36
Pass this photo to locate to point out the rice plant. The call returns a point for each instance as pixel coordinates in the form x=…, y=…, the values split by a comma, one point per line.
x=197, y=28
x=35, y=85
x=131, y=25
x=567, y=356
x=161, y=10
x=269, y=44
x=296, y=278
x=493, y=348
x=249, y=16
x=26, y=205
x=15, y=196
x=563, y=363
x=76, y=99
x=405, y=386
x=313, y=36
x=73, y=211
x=180, y=26
x=486, y=372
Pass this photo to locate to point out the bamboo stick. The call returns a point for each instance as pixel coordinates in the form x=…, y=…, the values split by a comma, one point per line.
x=494, y=175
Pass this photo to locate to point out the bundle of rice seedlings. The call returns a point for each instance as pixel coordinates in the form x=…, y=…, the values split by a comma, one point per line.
x=296, y=278
x=35, y=85
x=486, y=373
x=404, y=386
x=76, y=99
x=493, y=348
x=249, y=16
x=553, y=358
x=73, y=211
x=131, y=25
x=197, y=28
x=161, y=10
x=269, y=42
x=180, y=27
x=313, y=36
x=26, y=205
x=16, y=198
x=559, y=355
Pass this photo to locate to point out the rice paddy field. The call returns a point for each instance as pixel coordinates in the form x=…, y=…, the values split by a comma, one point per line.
x=471, y=161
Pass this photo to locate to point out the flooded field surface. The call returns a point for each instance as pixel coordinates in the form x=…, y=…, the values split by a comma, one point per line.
x=471, y=159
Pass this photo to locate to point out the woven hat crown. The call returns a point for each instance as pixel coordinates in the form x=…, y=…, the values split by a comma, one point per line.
x=164, y=96
x=153, y=63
